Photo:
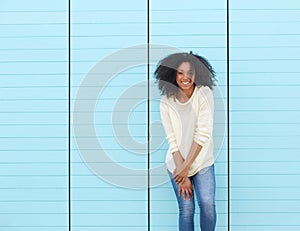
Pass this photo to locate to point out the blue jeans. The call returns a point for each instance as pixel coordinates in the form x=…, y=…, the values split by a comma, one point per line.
x=204, y=188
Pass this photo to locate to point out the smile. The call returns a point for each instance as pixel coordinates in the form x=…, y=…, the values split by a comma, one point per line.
x=186, y=83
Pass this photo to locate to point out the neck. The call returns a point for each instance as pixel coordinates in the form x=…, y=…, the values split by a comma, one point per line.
x=185, y=95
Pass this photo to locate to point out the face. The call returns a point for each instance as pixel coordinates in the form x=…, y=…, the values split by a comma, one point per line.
x=185, y=76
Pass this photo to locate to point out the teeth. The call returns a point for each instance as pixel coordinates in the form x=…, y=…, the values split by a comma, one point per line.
x=185, y=83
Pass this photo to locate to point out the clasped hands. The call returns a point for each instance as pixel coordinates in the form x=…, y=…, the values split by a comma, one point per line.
x=185, y=187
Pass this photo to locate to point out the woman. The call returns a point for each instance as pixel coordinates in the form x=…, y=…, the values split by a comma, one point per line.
x=185, y=81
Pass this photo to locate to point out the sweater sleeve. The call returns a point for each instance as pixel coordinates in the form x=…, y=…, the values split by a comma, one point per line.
x=204, y=123
x=166, y=121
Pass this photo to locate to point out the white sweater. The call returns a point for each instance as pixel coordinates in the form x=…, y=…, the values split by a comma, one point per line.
x=185, y=122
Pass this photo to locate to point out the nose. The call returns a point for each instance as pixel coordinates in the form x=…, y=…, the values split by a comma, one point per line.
x=187, y=75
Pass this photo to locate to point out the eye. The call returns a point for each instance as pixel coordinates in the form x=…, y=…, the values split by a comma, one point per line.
x=179, y=72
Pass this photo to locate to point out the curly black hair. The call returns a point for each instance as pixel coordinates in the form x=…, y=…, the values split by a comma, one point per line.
x=166, y=71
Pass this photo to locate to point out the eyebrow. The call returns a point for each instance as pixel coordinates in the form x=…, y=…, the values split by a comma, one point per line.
x=183, y=70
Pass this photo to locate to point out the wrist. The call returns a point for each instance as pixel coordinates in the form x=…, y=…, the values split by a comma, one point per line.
x=186, y=165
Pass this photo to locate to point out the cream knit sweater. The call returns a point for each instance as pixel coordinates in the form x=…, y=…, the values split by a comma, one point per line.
x=185, y=122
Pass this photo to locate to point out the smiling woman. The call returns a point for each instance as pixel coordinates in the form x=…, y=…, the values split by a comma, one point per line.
x=187, y=107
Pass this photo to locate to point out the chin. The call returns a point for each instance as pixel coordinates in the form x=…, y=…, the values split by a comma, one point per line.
x=187, y=87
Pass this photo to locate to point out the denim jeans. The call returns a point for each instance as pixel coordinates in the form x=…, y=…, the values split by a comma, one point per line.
x=204, y=189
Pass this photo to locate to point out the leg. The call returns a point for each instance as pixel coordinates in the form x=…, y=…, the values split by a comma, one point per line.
x=204, y=185
x=186, y=210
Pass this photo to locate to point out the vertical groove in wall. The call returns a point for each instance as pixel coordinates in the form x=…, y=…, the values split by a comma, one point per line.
x=148, y=105
x=228, y=111
x=69, y=114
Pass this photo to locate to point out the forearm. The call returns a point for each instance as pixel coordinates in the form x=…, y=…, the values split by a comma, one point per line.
x=178, y=159
x=193, y=153
x=182, y=170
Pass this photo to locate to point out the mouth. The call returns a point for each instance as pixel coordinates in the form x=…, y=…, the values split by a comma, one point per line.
x=185, y=83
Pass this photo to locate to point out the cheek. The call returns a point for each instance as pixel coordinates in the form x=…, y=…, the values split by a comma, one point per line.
x=193, y=79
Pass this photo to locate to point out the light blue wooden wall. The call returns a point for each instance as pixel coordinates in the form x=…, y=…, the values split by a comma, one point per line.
x=100, y=29
x=33, y=115
x=264, y=112
x=265, y=116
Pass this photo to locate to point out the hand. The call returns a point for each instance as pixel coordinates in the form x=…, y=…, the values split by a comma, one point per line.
x=180, y=174
x=185, y=189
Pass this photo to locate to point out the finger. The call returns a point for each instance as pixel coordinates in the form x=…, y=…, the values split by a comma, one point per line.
x=179, y=180
x=183, y=194
x=179, y=191
x=187, y=194
x=176, y=177
x=190, y=189
x=190, y=193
